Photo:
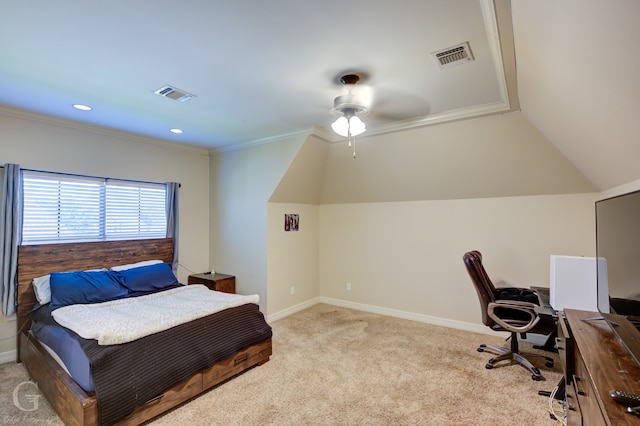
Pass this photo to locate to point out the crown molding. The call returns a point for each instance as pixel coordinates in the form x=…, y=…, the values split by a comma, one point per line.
x=310, y=131
x=441, y=118
x=397, y=126
x=430, y=120
x=75, y=125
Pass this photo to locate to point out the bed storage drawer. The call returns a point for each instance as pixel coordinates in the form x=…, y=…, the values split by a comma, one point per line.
x=169, y=399
x=255, y=355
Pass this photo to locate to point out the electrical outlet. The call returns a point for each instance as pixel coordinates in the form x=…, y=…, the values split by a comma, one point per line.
x=348, y=286
x=293, y=291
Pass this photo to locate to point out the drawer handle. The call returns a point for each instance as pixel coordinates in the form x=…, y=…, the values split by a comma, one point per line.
x=580, y=392
x=154, y=400
x=570, y=405
x=240, y=359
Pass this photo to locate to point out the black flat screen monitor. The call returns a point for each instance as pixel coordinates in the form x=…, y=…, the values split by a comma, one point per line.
x=618, y=266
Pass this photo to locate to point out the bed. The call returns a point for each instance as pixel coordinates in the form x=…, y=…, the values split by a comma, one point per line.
x=72, y=403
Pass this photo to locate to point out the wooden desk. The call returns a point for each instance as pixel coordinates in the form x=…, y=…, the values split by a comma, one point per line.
x=218, y=282
x=595, y=362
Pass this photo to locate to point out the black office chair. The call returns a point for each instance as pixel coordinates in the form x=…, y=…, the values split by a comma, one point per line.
x=509, y=309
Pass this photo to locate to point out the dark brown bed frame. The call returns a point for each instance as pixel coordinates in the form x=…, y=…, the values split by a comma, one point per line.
x=68, y=399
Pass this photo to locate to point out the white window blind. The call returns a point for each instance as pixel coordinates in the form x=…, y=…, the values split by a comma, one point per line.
x=62, y=208
x=135, y=211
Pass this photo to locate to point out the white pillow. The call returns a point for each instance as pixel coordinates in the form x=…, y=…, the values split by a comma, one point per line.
x=136, y=265
x=42, y=289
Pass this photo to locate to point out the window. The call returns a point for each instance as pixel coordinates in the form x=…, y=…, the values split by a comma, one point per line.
x=62, y=208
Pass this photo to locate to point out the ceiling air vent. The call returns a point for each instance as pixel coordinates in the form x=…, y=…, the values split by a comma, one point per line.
x=173, y=93
x=452, y=56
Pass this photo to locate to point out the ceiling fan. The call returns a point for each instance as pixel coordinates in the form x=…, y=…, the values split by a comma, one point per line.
x=349, y=108
x=383, y=105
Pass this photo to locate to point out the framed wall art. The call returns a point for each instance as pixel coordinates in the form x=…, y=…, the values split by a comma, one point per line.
x=291, y=222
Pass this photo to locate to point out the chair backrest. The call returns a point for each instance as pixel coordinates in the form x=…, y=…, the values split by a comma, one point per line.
x=482, y=283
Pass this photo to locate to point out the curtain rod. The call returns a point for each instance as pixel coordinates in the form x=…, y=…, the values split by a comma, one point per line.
x=94, y=177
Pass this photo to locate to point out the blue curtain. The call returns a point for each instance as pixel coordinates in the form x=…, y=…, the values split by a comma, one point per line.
x=10, y=235
x=172, y=220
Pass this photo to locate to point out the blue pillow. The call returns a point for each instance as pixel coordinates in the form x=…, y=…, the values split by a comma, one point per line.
x=148, y=278
x=69, y=288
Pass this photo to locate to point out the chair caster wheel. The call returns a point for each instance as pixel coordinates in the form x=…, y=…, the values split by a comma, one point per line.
x=480, y=349
x=488, y=366
x=536, y=375
x=549, y=364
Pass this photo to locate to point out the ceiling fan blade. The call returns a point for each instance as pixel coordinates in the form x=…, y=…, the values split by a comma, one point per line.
x=364, y=94
x=396, y=105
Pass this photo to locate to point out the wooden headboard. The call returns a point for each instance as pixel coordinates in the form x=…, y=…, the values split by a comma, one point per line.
x=38, y=260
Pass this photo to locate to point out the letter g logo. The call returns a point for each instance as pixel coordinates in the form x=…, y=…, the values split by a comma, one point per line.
x=24, y=400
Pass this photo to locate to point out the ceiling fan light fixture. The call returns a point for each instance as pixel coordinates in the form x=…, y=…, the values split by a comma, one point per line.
x=344, y=126
x=349, y=108
x=340, y=126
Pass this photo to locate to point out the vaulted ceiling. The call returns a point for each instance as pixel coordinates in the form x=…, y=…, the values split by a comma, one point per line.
x=268, y=70
x=578, y=66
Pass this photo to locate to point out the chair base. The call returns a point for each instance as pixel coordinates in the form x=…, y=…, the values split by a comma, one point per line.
x=507, y=354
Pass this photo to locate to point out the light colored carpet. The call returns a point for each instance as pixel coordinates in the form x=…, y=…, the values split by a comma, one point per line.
x=337, y=366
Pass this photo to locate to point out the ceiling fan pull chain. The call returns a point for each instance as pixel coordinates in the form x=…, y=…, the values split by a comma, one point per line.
x=354, y=147
x=351, y=138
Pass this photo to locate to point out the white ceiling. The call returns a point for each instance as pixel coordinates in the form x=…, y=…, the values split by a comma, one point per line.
x=262, y=70
x=259, y=70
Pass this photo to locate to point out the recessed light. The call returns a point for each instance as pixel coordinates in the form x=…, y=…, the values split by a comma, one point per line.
x=82, y=107
x=176, y=131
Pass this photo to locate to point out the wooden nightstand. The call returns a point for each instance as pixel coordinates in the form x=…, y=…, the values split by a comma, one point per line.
x=218, y=282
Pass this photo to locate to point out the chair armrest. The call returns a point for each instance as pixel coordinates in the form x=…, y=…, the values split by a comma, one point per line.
x=546, y=310
x=526, y=307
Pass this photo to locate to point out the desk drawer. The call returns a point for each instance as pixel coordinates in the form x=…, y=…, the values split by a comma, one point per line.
x=564, y=343
x=586, y=395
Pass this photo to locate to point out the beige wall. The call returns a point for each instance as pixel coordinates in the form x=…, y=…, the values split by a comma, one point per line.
x=43, y=144
x=400, y=256
x=495, y=156
x=523, y=202
x=242, y=182
x=302, y=182
x=292, y=257
x=408, y=256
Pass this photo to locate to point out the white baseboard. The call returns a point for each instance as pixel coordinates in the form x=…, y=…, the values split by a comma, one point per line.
x=428, y=319
x=293, y=309
x=9, y=356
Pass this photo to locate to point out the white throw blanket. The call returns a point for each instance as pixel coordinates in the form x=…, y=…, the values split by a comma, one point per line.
x=125, y=320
